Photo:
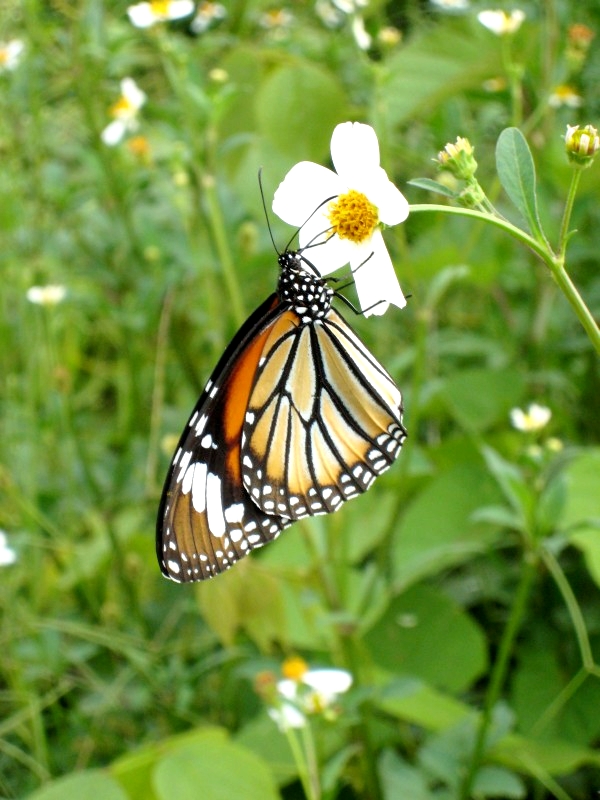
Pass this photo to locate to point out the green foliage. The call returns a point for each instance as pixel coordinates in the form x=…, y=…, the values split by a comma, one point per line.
x=461, y=591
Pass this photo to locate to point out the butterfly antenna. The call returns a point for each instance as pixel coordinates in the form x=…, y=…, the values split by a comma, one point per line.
x=310, y=216
x=262, y=195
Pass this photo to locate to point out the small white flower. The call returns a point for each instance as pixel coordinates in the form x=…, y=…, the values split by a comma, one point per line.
x=7, y=554
x=342, y=213
x=10, y=54
x=361, y=37
x=206, y=14
x=350, y=6
x=313, y=692
x=565, y=95
x=501, y=22
x=533, y=419
x=125, y=112
x=451, y=5
x=46, y=295
x=276, y=18
x=328, y=13
x=144, y=15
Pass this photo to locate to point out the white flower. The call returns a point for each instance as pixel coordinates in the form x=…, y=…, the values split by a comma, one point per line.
x=46, y=295
x=144, y=15
x=341, y=213
x=276, y=18
x=328, y=13
x=7, y=554
x=501, y=22
x=125, y=112
x=451, y=5
x=565, y=95
x=10, y=54
x=313, y=692
x=361, y=37
x=350, y=6
x=534, y=419
x=206, y=14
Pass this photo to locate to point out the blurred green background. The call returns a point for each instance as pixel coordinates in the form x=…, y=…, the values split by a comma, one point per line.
x=461, y=592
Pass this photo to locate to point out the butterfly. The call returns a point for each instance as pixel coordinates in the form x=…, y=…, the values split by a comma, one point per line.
x=297, y=417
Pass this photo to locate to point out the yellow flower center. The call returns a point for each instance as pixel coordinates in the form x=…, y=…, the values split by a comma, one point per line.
x=294, y=668
x=122, y=108
x=160, y=8
x=353, y=217
x=3, y=56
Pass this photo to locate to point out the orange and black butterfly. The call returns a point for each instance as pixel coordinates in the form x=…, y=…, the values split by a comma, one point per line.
x=297, y=417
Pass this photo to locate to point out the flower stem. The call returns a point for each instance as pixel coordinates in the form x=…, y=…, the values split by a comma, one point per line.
x=566, y=219
x=555, y=263
x=500, y=670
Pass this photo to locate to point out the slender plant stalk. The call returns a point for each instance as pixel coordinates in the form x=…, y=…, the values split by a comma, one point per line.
x=500, y=670
x=554, y=263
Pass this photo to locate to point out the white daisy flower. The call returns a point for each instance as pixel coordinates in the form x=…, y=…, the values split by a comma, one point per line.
x=7, y=554
x=10, y=54
x=144, y=15
x=312, y=691
x=533, y=419
x=565, y=95
x=501, y=22
x=451, y=5
x=342, y=213
x=46, y=295
x=125, y=112
x=206, y=14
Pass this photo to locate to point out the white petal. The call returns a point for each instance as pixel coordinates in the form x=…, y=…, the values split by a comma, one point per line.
x=354, y=151
x=328, y=682
x=393, y=206
x=114, y=132
x=361, y=37
x=180, y=8
x=141, y=15
x=132, y=93
x=287, y=716
x=376, y=282
x=302, y=190
x=326, y=257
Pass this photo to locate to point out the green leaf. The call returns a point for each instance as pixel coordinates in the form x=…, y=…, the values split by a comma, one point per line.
x=288, y=104
x=437, y=529
x=516, y=171
x=89, y=785
x=431, y=68
x=480, y=398
x=399, y=779
x=433, y=186
x=413, y=701
x=426, y=634
x=582, y=508
x=215, y=769
x=493, y=781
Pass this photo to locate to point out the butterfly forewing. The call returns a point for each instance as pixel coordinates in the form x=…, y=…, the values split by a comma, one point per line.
x=324, y=419
x=206, y=519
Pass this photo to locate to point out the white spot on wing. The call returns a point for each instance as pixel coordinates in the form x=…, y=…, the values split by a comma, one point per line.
x=235, y=513
x=214, y=505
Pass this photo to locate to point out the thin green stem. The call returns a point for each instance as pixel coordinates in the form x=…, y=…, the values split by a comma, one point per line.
x=500, y=670
x=576, y=302
x=563, y=237
x=572, y=605
x=499, y=222
x=554, y=263
x=221, y=240
x=301, y=763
